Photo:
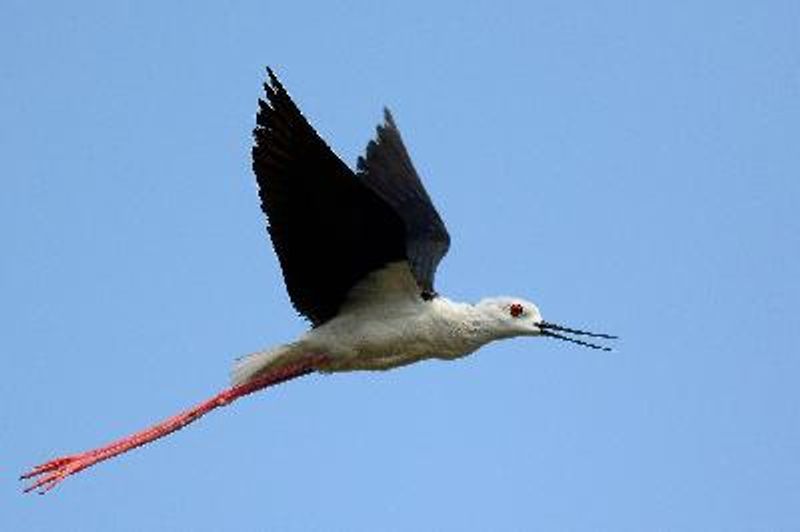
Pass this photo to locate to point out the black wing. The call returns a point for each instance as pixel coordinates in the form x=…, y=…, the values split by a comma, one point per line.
x=328, y=229
x=387, y=170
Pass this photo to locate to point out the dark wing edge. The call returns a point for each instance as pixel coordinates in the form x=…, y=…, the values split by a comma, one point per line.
x=328, y=230
x=387, y=170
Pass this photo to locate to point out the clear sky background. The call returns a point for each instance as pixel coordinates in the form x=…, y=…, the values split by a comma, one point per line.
x=632, y=167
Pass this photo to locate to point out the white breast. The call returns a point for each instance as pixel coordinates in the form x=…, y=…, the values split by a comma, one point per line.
x=385, y=323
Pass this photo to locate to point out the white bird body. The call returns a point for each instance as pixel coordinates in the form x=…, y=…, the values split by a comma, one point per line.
x=385, y=324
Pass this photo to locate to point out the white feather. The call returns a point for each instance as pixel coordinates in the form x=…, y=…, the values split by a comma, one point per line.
x=384, y=323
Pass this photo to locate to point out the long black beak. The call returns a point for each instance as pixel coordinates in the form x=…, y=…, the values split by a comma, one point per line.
x=548, y=329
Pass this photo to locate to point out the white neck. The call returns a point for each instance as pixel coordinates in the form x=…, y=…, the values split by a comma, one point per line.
x=474, y=324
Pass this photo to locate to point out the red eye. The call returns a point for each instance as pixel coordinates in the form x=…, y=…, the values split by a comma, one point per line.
x=516, y=310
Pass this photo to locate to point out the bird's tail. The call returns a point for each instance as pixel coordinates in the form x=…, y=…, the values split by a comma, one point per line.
x=248, y=367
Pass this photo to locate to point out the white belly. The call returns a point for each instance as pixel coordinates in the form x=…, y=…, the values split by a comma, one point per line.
x=387, y=336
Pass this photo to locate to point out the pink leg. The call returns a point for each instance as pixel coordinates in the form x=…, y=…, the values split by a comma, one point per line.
x=46, y=476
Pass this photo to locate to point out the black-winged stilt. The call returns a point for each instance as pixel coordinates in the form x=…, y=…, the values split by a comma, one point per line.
x=359, y=252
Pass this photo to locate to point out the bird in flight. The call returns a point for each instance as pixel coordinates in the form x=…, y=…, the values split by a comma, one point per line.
x=358, y=251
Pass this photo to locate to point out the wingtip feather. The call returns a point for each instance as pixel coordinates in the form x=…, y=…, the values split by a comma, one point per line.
x=388, y=118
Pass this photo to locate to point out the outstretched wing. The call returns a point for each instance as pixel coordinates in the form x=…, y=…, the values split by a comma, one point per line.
x=328, y=229
x=388, y=171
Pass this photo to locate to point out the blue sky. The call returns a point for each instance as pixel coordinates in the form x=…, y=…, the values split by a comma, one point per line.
x=631, y=167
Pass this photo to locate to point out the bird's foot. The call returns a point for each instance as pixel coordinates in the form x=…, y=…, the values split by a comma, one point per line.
x=46, y=476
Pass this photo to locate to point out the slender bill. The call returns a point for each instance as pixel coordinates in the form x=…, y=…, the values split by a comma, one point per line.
x=548, y=329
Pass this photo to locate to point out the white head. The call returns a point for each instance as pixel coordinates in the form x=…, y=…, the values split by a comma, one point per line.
x=506, y=317
x=510, y=316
